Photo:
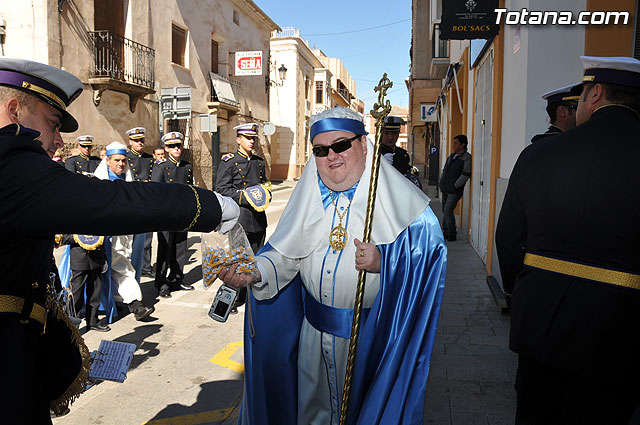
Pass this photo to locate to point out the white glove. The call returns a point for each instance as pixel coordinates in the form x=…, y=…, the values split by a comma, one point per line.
x=230, y=213
x=388, y=157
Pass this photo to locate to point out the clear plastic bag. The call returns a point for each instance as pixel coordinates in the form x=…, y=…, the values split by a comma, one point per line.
x=219, y=251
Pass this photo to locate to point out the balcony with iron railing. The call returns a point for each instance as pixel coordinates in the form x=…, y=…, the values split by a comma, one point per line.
x=121, y=65
x=440, y=54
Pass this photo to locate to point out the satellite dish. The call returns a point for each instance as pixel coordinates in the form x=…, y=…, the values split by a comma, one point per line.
x=268, y=129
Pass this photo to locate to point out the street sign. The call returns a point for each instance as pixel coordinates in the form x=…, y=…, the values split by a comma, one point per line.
x=208, y=123
x=249, y=63
x=268, y=129
x=428, y=112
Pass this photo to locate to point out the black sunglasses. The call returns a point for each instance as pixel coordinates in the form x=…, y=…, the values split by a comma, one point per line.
x=339, y=146
x=174, y=146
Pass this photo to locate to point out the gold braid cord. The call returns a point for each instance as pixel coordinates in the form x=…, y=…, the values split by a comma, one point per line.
x=380, y=110
x=79, y=385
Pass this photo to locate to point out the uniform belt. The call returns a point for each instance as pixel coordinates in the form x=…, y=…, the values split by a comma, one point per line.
x=12, y=304
x=582, y=271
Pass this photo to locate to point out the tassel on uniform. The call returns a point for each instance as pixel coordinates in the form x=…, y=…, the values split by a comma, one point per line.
x=79, y=384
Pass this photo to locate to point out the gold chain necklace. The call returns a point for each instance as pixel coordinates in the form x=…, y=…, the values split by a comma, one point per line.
x=338, y=236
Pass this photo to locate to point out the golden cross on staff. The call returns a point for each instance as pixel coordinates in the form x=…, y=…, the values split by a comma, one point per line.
x=379, y=112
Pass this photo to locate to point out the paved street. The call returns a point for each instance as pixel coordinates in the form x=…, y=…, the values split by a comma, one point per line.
x=187, y=368
x=472, y=370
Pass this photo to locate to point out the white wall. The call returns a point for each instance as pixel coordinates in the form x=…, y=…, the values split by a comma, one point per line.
x=548, y=58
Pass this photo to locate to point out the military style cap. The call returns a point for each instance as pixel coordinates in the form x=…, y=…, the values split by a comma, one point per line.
x=392, y=124
x=248, y=130
x=56, y=87
x=172, y=138
x=562, y=94
x=116, y=148
x=136, y=133
x=336, y=119
x=86, y=140
x=624, y=71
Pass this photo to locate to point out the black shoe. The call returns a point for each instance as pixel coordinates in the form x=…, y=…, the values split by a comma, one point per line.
x=148, y=274
x=451, y=238
x=164, y=292
x=142, y=312
x=186, y=287
x=100, y=328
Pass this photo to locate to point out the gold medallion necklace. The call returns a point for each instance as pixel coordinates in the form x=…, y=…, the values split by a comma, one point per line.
x=338, y=236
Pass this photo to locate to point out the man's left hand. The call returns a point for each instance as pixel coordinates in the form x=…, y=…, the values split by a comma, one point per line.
x=367, y=257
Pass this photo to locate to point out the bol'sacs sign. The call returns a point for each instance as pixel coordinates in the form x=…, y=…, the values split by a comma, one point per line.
x=249, y=63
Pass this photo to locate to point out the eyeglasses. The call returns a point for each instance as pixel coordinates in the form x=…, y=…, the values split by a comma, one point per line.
x=339, y=146
x=174, y=146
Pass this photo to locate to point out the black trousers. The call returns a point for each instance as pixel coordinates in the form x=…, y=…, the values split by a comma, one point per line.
x=548, y=396
x=172, y=256
x=146, y=255
x=89, y=279
x=256, y=239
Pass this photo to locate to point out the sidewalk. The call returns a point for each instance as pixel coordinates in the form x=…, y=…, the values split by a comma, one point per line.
x=472, y=369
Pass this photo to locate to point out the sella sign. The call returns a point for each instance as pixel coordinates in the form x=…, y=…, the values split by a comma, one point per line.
x=249, y=63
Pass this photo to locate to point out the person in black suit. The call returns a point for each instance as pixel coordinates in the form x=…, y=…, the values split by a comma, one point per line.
x=43, y=361
x=561, y=109
x=86, y=261
x=141, y=167
x=172, y=246
x=567, y=243
x=84, y=162
x=242, y=176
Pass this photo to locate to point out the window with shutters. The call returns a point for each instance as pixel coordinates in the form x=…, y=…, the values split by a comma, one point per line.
x=319, y=91
x=178, y=45
x=214, y=56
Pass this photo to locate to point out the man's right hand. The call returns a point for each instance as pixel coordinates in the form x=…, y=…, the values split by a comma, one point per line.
x=236, y=280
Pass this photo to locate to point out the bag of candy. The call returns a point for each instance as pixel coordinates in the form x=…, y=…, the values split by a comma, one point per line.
x=219, y=251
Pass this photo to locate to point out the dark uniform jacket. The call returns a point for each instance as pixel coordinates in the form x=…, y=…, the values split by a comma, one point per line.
x=575, y=197
x=82, y=259
x=140, y=164
x=237, y=172
x=456, y=172
x=401, y=160
x=551, y=131
x=82, y=164
x=171, y=171
x=39, y=199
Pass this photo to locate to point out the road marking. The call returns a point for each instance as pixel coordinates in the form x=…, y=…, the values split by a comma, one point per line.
x=222, y=358
x=194, y=419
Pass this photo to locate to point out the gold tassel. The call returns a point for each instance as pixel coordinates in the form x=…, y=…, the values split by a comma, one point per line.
x=79, y=385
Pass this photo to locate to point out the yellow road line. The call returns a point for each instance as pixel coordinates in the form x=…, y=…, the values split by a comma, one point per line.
x=194, y=419
x=223, y=357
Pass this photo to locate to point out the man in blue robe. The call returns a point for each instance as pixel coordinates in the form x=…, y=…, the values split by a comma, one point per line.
x=299, y=316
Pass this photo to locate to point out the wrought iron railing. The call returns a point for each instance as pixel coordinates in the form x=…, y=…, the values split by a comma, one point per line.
x=122, y=59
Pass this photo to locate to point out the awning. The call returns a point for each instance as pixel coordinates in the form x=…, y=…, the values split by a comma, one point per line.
x=221, y=90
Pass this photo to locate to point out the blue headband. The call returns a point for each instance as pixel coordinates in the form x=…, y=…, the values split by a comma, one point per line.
x=115, y=152
x=337, y=124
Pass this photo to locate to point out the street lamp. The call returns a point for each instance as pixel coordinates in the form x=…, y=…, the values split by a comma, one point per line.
x=282, y=73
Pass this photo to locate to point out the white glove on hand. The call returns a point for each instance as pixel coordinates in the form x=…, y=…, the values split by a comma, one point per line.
x=388, y=157
x=230, y=213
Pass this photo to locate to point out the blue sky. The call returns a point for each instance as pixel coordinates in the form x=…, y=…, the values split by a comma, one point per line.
x=366, y=54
